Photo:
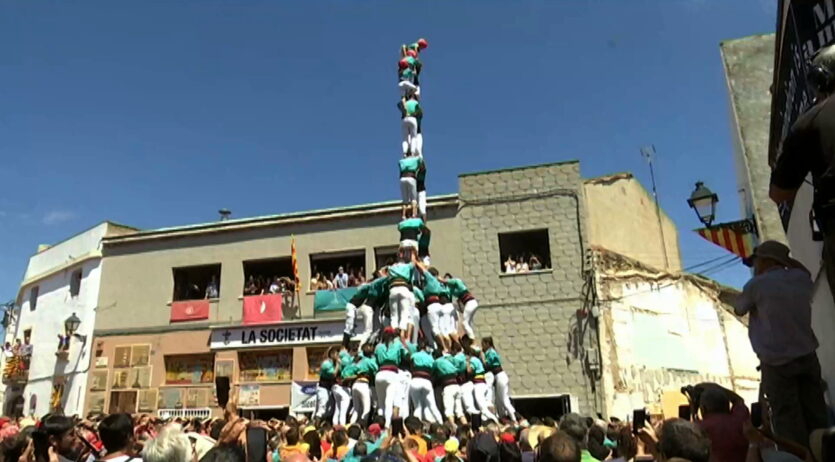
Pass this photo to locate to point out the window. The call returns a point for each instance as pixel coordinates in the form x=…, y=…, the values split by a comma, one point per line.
x=75, y=283
x=266, y=366
x=524, y=251
x=122, y=402
x=33, y=297
x=384, y=256
x=189, y=369
x=325, y=266
x=193, y=282
x=261, y=275
x=315, y=357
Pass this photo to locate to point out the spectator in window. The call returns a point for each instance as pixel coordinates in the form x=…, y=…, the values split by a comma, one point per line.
x=314, y=281
x=251, y=288
x=212, y=289
x=521, y=264
x=535, y=264
x=778, y=302
x=275, y=287
x=329, y=285
x=340, y=281
x=510, y=265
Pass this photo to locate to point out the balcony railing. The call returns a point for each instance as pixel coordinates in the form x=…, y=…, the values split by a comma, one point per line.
x=197, y=413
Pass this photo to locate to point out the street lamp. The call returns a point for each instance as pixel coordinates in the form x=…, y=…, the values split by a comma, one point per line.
x=703, y=201
x=71, y=325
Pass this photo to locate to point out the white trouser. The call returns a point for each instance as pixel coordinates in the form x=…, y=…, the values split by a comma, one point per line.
x=503, y=394
x=422, y=203
x=423, y=398
x=426, y=327
x=387, y=383
x=433, y=312
x=480, y=393
x=361, y=394
x=491, y=380
x=406, y=88
x=417, y=145
x=467, y=398
x=366, y=313
x=408, y=189
x=402, y=399
x=401, y=302
x=323, y=400
x=342, y=401
x=448, y=315
x=408, y=131
x=467, y=319
x=452, y=403
x=416, y=323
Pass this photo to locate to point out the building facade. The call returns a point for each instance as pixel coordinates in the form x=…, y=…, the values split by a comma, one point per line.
x=41, y=373
x=162, y=338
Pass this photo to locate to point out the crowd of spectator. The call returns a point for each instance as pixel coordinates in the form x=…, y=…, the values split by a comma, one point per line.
x=340, y=280
x=261, y=285
x=521, y=264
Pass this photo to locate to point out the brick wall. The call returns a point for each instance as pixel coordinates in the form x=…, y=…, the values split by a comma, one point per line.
x=528, y=315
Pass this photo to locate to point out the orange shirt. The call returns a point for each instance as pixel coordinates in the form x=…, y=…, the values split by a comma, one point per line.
x=420, y=442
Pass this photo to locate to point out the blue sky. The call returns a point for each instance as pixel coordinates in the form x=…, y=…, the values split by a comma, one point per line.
x=159, y=113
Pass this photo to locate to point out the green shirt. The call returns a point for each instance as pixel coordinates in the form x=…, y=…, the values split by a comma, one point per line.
x=409, y=164
x=460, y=361
x=349, y=370
x=411, y=61
x=412, y=108
x=376, y=287
x=411, y=347
x=390, y=354
x=585, y=456
x=431, y=285
x=423, y=360
x=327, y=370
x=478, y=367
x=418, y=295
x=456, y=287
x=492, y=359
x=407, y=74
x=444, y=367
x=404, y=271
x=410, y=224
x=367, y=367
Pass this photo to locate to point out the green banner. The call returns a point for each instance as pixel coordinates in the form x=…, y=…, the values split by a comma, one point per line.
x=332, y=300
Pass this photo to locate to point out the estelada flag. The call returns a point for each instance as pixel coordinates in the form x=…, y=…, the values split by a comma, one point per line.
x=736, y=237
x=262, y=309
x=189, y=310
x=295, y=263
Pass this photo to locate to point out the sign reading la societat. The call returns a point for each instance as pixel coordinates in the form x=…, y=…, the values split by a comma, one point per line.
x=277, y=335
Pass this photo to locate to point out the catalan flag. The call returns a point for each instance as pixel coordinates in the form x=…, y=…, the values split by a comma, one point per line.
x=295, y=263
x=737, y=237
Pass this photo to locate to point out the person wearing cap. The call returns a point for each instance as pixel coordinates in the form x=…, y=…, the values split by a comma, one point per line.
x=420, y=388
x=410, y=110
x=778, y=301
x=416, y=46
x=809, y=147
x=366, y=369
x=493, y=363
x=327, y=379
x=409, y=166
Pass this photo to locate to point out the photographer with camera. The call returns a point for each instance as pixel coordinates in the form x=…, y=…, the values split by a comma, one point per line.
x=723, y=419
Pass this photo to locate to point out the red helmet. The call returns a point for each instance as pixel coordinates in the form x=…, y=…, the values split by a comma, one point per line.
x=403, y=64
x=412, y=53
x=422, y=43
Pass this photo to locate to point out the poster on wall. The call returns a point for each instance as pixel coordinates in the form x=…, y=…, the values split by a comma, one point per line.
x=249, y=395
x=303, y=397
x=197, y=397
x=266, y=366
x=101, y=362
x=56, y=400
x=315, y=357
x=121, y=357
x=140, y=355
x=170, y=398
x=120, y=378
x=98, y=380
x=189, y=369
x=147, y=400
x=96, y=401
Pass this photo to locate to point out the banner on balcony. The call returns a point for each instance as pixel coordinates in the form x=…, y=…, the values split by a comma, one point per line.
x=189, y=310
x=737, y=237
x=332, y=300
x=262, y=309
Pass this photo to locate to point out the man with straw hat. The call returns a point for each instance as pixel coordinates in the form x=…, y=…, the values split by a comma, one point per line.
x=778, y=300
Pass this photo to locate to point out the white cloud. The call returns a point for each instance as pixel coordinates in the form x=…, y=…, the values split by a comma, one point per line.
x=55, y=217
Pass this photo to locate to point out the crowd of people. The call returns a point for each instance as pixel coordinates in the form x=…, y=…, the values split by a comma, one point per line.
x=261, y=285
x=352, y=277
x=520, y=264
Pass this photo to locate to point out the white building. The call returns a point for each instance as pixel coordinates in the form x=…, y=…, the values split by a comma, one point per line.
x=60, y=280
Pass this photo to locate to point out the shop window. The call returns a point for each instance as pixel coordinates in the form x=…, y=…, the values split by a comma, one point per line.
x=385, y=256
x=33, y=297
x=147, y=400
x=266, y=366
x=75, y=283
x=524, y=251
x=122, y=402
x=196, y=282
x=189, y=369
x=315, y=356
x=325, y=266
x=260, y=275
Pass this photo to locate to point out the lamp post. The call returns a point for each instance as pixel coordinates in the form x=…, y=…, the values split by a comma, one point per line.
x=71, y=326
x=703, y=202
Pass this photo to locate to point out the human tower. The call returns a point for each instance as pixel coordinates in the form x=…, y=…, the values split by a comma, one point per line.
x=411, y=348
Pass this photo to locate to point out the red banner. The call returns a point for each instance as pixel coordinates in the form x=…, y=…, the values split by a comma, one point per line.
x=262, y=309
x=189, y=310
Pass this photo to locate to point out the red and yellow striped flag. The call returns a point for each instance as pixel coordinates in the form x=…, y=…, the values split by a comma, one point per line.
x=736, y=237
x=295, y=263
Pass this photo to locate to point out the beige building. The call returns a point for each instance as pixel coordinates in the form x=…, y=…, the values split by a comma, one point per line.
x=161, y=337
